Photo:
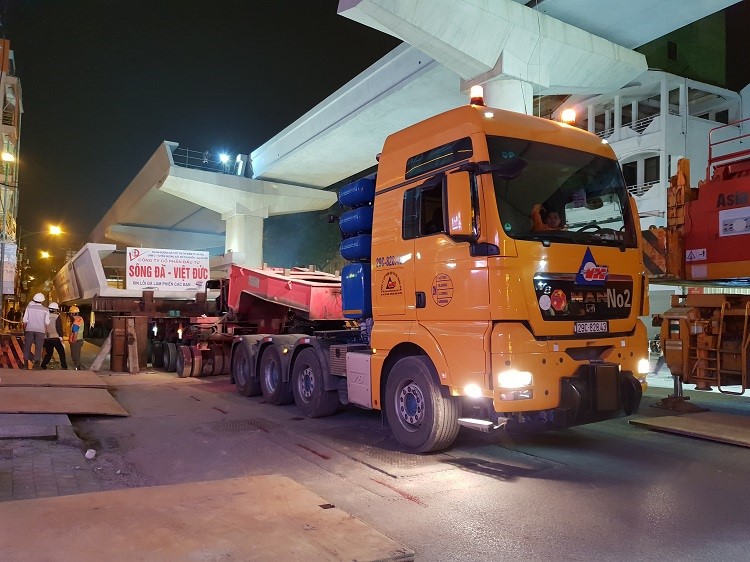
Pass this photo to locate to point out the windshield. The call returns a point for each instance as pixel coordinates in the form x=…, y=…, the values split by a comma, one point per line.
x=563, y=195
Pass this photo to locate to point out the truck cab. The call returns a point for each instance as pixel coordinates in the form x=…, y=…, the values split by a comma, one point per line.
x=506, y=278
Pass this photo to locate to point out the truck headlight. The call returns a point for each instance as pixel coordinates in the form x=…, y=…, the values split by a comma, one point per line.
x=644, y=367
x=514, y=379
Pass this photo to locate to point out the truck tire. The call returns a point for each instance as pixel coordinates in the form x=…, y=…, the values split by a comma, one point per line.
x=275, y=390
x=170, y=357
x=245, y=378
x=308, y=386
x=184, y=361
x=157, y=355
x=214, y=363
x=419, y=415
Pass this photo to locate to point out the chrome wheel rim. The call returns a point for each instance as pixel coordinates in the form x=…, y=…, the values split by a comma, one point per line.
x=410, y=405
x=306, y=384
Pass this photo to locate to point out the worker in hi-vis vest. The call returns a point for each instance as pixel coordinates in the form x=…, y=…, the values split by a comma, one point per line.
x=76, y=337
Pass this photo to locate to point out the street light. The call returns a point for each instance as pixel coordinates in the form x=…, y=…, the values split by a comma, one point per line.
x=45, y=255
x=53, y=230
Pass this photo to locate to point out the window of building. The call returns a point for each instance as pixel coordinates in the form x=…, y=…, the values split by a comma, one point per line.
x=672, y=50
x=651, y=169
x=630, y=172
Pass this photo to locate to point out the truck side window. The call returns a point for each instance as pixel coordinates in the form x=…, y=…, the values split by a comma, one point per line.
x=431, y=211
x=423, y=209
x=410, y=219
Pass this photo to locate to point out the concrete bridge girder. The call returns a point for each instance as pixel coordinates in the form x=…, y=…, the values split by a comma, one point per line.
x=244, y=207
x=485, y=41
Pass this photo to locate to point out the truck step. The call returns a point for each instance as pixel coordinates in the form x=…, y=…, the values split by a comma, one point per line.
x=482, y=425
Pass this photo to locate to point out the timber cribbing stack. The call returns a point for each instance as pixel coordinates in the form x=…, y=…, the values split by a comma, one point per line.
x=11, y=351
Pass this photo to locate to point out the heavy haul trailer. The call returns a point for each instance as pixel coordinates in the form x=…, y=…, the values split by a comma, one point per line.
x=705, y=337
x=94, y=280
x=464, y=307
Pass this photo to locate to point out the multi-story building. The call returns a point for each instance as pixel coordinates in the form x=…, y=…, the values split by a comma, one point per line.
x=653, y=122
x=10, y=132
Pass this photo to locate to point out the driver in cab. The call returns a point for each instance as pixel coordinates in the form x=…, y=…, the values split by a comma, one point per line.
x=542, y=219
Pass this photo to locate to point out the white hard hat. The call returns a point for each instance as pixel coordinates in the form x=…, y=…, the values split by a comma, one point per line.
x=54, y=306
x=39, y=297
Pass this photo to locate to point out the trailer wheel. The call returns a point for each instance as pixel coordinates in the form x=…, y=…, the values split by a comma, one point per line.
x=214, y=364
x=275, y=390
x=184, y=361
x=418, y=413
x=170, y=357
x=308, y=386
x=197, y=357
x=245, y=378
x=157, y=355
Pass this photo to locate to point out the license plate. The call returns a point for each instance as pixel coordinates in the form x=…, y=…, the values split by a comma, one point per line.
x=591, y=327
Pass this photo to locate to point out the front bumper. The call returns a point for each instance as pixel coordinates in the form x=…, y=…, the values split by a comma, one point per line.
x=599, y=391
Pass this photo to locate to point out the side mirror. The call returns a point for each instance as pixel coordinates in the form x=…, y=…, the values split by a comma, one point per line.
x=460, y=210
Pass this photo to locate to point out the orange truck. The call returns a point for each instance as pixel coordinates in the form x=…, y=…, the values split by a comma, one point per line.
x=495, y=280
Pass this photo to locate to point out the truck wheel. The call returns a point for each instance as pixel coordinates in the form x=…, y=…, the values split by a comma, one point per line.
x=184, y=362
x=170, y=357
x=419, y=415
x=157, y=355
x=308, y=386
x=182, y=366
x=215, y=361
x=275, y=390
x=245, y=378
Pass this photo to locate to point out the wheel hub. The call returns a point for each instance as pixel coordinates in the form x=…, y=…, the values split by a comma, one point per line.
x=306, y=384
x=272, y=377
x=241, y=371
x=410, y=404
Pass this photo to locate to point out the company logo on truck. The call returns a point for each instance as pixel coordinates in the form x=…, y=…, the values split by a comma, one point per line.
x=590, y=273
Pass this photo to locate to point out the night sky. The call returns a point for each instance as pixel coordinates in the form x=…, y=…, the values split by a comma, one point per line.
x=105, y=82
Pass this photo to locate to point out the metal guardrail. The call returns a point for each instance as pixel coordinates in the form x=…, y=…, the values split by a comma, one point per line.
x=640, y=189
x=206, y=160
x=639, y=126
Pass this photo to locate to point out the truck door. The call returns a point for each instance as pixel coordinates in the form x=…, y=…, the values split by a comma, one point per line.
x=451, y=286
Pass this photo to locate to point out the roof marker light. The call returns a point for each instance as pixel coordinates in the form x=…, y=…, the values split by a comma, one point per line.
x=477, y=95
x=568, y=116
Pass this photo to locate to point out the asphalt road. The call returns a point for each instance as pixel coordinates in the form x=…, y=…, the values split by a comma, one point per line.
x=608, y=491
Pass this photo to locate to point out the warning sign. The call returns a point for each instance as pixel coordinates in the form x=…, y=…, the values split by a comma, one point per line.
x=391, y=284
x=695, y=255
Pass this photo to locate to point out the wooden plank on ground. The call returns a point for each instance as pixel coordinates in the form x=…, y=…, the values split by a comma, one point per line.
x=51, y=377
x=254, y=518
x=713, y=426
x=58, y=400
